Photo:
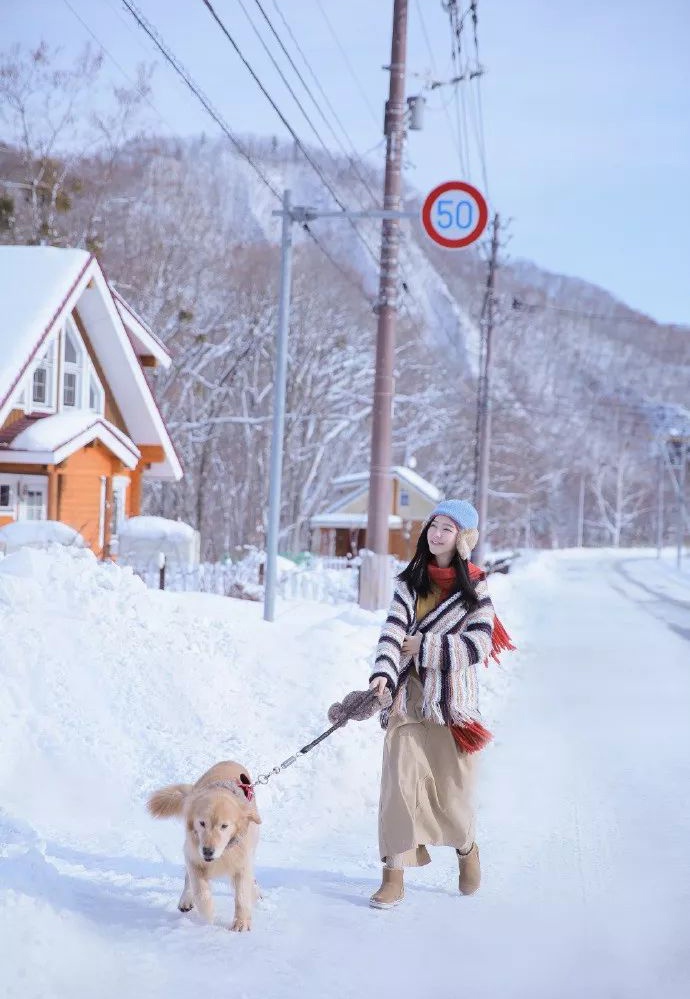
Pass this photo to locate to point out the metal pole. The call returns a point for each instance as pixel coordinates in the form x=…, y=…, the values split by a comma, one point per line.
x=485, y=404
x=278, y=413
x=581, y=513
x=660, y=505
x=681, y=500
x=374, y=591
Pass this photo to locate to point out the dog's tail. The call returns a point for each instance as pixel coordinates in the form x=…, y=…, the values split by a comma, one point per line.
x=168, y=801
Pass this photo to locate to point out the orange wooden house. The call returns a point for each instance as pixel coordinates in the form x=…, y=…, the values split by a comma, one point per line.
x=79, y=427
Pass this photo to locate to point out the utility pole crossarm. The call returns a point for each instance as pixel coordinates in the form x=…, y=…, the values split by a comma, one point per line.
x=299, y=213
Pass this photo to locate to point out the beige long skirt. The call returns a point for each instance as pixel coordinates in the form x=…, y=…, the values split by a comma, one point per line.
x=427, y=788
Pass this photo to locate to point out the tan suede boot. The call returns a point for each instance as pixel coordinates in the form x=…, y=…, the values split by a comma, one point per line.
x=470, y=871
x=391, y=891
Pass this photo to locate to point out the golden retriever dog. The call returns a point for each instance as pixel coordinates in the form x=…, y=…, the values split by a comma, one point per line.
x=221, y=835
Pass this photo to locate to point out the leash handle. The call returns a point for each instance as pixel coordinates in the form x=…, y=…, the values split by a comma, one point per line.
x=264, y=778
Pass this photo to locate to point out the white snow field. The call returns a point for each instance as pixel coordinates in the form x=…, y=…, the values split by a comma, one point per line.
x=108, y=691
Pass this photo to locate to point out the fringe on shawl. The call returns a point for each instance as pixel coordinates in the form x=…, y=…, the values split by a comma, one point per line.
x=500, y=639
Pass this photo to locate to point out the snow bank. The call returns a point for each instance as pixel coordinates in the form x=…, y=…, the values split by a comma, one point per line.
x=109, y=690
x=140, y=540
x=38, y=533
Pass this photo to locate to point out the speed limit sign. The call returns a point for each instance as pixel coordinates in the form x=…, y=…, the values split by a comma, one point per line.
x=454, y=214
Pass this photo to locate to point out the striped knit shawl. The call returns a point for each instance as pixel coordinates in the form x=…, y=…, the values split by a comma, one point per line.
x=454, y=641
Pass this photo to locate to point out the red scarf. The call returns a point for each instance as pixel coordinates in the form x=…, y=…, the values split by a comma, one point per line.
x=472, y=736
x=445, y=579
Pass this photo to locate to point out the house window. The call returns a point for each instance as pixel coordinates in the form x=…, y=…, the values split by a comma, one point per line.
x=69, y=389
x=404, y=498
x=40, y=393
x=95, y=395
x=6, y=501
x=34, y=504
x=42, y=380
x=73, y=363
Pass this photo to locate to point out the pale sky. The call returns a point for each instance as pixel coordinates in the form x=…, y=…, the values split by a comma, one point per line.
x=586, y=110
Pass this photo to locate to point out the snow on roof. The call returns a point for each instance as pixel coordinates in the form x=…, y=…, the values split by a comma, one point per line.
x=155, y=528
x=350, y=520
x=60, y=435
x=145, y=340
x=402, y=472
x=27, y=315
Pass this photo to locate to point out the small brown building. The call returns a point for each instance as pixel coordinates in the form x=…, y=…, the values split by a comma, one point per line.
x=79, y=427
x=341, y=530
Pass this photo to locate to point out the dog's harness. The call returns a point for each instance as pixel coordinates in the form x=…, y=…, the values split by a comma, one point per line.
x=236, y=787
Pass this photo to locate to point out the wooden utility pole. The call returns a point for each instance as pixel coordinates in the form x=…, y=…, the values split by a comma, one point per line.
x=484, y=400
x=375, y=571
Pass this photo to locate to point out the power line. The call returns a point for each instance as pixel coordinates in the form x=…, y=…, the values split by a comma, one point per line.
x=324, y=180
x=317, y=105
x=201, y=97
x=112, y=58
x=346, y=59
x=372, y=253
x=518, y=305
x=281, y=74
x=198, y=93
x=478, y=95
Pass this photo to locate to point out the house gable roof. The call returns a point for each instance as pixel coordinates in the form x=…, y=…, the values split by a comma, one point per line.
x=39, y=287
x=405, y=475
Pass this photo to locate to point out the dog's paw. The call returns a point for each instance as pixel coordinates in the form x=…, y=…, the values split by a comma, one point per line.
x=184, y=906
x=241, y=924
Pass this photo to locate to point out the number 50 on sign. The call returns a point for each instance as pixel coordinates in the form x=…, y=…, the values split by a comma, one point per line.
x=454, y=214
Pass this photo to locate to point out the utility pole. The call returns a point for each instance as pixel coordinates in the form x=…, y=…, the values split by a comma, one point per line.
x=581, y=513
x=375, y=571
x=484, y=401
x=280, y=383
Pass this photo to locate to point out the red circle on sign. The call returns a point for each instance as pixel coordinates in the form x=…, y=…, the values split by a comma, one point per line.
x=433, y=233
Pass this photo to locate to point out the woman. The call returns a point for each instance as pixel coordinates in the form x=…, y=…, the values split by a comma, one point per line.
x=439, y=628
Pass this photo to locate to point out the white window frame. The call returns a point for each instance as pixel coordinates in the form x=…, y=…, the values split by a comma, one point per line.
x=94, y=380
x=31, y=483
x=48, y=362
x=76, y=368
x=121, y=484
x=84, y=371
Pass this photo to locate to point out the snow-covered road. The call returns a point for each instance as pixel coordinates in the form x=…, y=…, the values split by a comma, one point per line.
x=584, y=814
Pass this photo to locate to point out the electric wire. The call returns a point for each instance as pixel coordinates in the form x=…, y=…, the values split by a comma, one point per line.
x=300, y=145
x=118, y=65
x=317, y=105
x=372, y=253
x=481, y=143
x=201, y=97
x=347, y=62
x=280, y=72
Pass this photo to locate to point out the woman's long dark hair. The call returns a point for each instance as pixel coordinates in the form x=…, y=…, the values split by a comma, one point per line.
x=416, y=573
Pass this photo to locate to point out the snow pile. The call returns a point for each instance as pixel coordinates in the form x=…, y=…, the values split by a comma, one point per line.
x=156, y=528
x=141, y=540
x=37, y=533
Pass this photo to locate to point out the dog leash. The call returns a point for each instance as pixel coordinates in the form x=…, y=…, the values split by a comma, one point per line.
x=364, y=699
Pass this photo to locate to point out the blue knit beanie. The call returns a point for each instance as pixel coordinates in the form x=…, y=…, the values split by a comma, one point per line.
x=462, y=512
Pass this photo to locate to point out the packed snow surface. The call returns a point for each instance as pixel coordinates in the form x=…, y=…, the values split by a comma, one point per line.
x=108, y=690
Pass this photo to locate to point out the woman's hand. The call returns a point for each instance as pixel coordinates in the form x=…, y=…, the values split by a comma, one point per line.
x=411, y=644
x=379, y=685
